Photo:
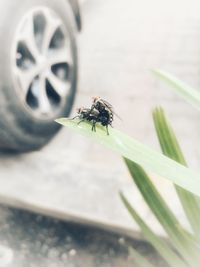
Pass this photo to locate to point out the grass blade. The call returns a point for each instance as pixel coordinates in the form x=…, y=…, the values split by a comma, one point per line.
x=178, y=236
x=160, y=245
x=139, y=153
x=171, y=148
x=138, y=258
x=189, y=94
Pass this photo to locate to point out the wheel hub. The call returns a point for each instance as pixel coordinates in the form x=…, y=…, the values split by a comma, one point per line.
x=42, y=62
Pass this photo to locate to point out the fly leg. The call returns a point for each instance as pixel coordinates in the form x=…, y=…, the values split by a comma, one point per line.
x=107, y=129
x=71, y=119
x=94, y=126
x=80, y=122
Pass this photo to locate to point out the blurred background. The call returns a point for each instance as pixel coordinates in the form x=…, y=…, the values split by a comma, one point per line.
x=45, y=76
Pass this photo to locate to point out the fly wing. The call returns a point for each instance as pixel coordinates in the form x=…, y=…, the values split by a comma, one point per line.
x=110, y=107
x=117, y=115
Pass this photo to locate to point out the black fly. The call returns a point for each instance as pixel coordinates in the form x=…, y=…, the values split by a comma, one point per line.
x=105, y=110
x=101, y=105
x=86, y=114
x=100, y=112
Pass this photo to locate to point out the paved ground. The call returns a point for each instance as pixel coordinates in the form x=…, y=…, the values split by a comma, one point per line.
x=29, y=240
x=120, y=42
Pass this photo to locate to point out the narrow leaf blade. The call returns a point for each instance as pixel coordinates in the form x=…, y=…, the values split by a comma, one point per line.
x=182, y=89
x=171, y=148
x=158, y=206
x=160, y=245
x=139, y=153
x=139, y=259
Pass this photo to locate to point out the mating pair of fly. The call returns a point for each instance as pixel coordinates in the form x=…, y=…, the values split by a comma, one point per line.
x=100, y=112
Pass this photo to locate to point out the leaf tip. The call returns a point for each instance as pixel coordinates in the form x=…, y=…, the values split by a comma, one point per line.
x=62, y=121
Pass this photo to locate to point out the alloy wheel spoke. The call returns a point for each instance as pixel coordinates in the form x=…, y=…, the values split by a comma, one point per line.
x=26, y=77
x=60, y=56
x=27, y=36
x=44, y=104
x=52, y=24
x=61, y=87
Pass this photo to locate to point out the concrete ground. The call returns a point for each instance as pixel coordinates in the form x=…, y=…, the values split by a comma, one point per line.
x=75, y=179
x=30, y=240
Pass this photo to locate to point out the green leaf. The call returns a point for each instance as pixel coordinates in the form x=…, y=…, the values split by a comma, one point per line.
x=138, y=258
x=139, y=153
x=159, y=244
x=178, y=236
x=171, y=148
x=189, y=94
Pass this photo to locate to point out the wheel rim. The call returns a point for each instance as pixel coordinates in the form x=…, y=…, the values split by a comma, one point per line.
x=42, y=63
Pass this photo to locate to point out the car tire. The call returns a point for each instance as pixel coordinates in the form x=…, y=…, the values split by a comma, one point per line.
x=26, y=120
